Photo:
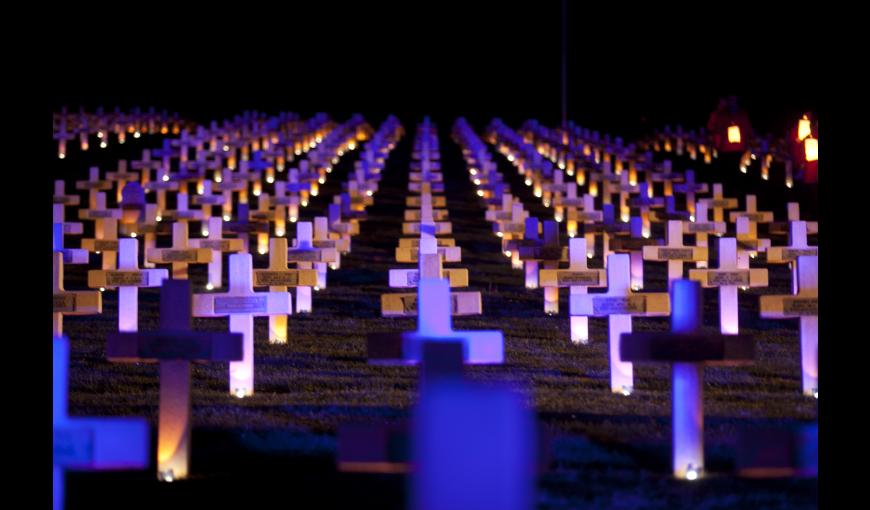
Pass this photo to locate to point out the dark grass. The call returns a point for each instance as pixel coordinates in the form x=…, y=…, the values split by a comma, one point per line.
x=608, y=451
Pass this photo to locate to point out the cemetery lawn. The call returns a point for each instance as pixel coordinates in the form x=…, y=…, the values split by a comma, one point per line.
x=607, y=451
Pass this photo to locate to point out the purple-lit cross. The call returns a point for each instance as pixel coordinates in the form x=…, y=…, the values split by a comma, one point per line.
x=89, y=444
x=688, y=348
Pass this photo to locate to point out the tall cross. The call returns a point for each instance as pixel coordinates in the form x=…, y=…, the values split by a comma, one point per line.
x=688, y=349
x=174, y=345
x=804, y=306
x=242, y=304
x=619, y=304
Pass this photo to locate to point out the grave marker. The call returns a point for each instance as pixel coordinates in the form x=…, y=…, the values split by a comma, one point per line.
x=804, y=306
x=89, y=444
x=729, y=277
x=127, y=279
x=619, y=305
x=242, y=304
x=174, y=345
x=688, y=349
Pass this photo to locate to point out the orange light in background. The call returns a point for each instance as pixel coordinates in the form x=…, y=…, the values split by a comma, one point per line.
x=804, y=129
x=733, y=134
x=811, y=147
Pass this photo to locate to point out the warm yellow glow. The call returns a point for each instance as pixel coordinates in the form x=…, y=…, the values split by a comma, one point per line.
x=333, y=266
x=262, y=251
x=804, y=128
x=158, y=218
x=102, y=289
x=137, y=134
x=209, y=286
x=292, y=219
x=499, y=234
x=369, y=193
x=480, y=192
x=227, y=217
x=61, y=155
x=472, y=171
x=508, y=253
x=733, y=134
x=103, y=145
x=510, y=158
x=279, y=233
x=218, y=179
x=691, y=474
x=811, y=147
x=270, y=179
x=133, y=235
x=626, y=391
x=304, y=203
x=476, y=182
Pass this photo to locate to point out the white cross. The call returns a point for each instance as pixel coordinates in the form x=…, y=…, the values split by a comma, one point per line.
x=729, y=277
x=127, y=279
x=619, y=304
x=242, y=304
x=674, y=251
x=805, y=306
x=577, y=277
